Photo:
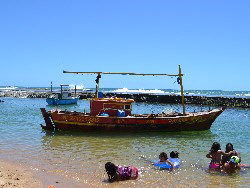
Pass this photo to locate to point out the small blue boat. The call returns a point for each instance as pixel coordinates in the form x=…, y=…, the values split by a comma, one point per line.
x=62, y=98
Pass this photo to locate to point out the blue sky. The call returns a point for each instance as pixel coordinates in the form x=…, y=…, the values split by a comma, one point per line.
x=209, y=39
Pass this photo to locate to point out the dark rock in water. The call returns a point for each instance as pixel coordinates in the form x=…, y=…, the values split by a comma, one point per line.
x=197, y=100
x=242, y=102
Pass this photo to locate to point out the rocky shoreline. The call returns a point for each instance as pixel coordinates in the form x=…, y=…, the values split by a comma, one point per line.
x=241, y=102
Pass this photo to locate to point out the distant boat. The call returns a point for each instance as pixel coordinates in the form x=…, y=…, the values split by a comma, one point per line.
x=138, y=91
x=79, y=88
x=8, y=88
x=62, y=98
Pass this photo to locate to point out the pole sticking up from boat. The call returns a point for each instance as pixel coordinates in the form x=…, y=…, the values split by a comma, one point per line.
x=182, y=92
x=97, y=84
x=75, y=90
x=61, y=89
x=51, y=86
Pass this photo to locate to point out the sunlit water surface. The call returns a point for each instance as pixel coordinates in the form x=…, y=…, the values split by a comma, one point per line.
x=81, y=156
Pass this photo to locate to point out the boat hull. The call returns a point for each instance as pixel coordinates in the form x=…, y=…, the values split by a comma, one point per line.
x=70, y=121
x=53, y=101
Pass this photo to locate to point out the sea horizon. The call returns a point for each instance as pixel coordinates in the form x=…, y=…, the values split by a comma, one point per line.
x=201, y=92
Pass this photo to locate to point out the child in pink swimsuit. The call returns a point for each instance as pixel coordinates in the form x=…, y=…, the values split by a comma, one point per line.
x=118, y=173
x=215, y=154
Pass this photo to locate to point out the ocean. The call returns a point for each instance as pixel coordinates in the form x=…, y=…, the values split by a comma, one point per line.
x=82, y=156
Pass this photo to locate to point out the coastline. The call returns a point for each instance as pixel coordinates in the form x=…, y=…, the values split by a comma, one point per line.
x=200, y=100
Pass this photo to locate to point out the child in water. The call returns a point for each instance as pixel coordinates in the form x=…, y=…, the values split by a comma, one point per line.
x=174, y=154
x=118, y=173
x=232, y=165
x=174, y=158
x=164, y=160
x=230, y=147
x=216, y=153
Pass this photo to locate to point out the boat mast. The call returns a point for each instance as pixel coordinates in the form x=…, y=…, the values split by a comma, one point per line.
x=182, y=92
x=61, y=90
x=97, y=84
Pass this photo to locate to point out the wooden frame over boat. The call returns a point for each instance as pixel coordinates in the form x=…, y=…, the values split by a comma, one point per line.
x=115, y=114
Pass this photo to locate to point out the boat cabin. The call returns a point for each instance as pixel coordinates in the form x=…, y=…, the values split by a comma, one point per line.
x=114, y=107
x=63, y=95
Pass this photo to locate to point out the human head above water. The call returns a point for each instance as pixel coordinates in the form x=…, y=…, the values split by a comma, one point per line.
x=174, y=154
x=215, y=147
x=229, y=147
x=163, y=156
x=111, y=171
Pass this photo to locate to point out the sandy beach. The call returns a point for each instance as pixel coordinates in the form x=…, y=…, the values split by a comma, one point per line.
x=17, y=175
x=14, y=175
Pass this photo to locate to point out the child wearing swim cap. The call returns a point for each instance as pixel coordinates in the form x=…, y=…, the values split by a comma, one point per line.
x=118, y=173
x=232, y=165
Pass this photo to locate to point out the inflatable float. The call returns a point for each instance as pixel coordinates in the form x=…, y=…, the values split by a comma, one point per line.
x=175, y=161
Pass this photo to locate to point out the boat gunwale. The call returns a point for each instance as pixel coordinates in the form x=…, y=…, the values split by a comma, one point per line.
x=141, y=116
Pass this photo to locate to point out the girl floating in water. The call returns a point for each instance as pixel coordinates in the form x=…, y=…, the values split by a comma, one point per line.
x=163, y=159
x=118, y=173
x=174, y=158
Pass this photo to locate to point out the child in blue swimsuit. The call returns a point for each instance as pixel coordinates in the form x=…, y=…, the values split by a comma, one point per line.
x=174, y=158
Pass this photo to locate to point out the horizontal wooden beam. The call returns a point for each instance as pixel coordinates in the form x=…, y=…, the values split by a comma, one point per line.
x=122, y=73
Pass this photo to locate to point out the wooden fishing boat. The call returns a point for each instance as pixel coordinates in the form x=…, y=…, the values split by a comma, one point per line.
x=115, y=114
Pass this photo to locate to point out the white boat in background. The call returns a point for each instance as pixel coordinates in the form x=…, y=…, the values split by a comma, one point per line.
x=8, y=88
x=79, y=88
x=138, y=91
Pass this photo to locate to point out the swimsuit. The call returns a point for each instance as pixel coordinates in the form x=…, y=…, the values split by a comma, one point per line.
x=175, y=161
x=127, y=172
x=214, y=165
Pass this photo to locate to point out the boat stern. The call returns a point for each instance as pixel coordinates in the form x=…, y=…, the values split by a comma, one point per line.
x=49, y=124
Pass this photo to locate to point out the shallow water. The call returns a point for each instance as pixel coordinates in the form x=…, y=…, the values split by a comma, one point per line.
x=82, y=156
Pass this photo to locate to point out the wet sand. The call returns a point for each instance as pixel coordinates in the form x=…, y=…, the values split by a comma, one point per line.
x=13, y=174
